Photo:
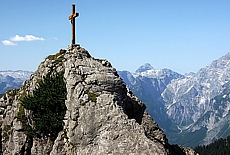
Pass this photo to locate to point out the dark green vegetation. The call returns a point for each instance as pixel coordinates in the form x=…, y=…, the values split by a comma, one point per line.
x=92, y=96
x=218, y=147
x=47, y=105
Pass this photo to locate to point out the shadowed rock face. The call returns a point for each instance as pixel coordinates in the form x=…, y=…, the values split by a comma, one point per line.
x=102, y=116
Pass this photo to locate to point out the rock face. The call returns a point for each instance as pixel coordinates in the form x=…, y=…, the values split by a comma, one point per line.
x=102, y=116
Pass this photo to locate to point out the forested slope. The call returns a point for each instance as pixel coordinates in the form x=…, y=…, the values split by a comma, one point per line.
x=219, y=147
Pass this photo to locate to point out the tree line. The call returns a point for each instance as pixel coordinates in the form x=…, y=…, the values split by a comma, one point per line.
x=218, y=147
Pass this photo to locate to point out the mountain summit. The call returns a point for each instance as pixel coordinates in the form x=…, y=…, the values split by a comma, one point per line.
x=144, y=68
x=147, y=70
x=76, y=104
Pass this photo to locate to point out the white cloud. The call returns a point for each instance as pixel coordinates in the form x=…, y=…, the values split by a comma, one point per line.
x=8, y=43
x=26, y=38
x=20, y=38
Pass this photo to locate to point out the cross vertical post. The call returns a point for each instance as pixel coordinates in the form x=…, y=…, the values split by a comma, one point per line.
x=72, y=18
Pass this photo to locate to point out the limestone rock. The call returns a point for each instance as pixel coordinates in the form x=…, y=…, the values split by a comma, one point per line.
x=102, y=116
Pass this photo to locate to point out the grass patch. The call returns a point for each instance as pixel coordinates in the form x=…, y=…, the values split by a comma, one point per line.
x=59, y=57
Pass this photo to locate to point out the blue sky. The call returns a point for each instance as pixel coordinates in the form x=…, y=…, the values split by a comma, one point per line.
x=177, y=34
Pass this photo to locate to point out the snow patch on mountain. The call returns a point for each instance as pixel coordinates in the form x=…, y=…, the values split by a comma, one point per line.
x=147, y=70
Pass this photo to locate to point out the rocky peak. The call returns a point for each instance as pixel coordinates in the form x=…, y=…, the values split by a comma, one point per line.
x=148, y=71
x=144, y=68
x=102, y=115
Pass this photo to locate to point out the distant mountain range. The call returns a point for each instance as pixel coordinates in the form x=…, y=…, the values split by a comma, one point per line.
x=12, y=79
x=192, y=109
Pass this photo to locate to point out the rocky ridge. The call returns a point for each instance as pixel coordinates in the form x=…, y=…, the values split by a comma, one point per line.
x=102, y=116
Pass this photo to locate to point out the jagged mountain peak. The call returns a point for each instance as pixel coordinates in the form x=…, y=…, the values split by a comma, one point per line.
x=144, y=68
x=102, y=115
x=226, y=56
x=147, y=70
x=218, y=65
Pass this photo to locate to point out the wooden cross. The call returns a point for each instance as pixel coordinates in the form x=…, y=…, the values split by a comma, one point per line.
x=72, y=18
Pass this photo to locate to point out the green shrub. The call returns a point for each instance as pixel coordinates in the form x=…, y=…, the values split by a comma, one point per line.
x=48, y=105
x=92, y=96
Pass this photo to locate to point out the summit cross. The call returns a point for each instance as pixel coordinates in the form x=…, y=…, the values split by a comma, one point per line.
x=72, y=18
